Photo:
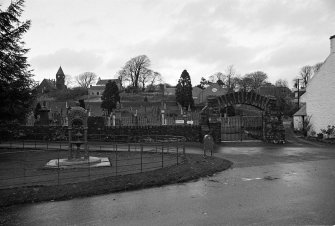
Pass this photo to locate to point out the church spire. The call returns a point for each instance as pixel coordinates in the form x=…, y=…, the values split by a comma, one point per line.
x=60, y=71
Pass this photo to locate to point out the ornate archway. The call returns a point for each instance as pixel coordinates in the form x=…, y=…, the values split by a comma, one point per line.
x=270, y=127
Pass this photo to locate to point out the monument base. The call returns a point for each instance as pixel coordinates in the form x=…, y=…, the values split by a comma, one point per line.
x=78, y=163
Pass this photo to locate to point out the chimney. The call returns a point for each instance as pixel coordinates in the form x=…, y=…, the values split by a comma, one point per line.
x=332, y=44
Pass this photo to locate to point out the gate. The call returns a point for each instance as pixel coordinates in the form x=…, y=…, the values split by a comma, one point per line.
x=239, y=128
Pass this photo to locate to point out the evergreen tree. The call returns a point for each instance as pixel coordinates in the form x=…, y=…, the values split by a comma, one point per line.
x=184, y=90
x=16, y=95
x=110, y=97
x=203, y=83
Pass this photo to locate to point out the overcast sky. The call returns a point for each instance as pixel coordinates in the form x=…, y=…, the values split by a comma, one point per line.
x=203, y=37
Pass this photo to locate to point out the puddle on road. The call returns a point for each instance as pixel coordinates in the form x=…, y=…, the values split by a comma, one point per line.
x=260, y=178
x=270, y=178
x=250, y=179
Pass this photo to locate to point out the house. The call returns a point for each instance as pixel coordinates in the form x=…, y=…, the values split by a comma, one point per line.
x=274, y=91
x=47, y=85
x=195, y=93
x=169, y=91
x=98, y=89
x=320, y=94
x=299, y=118
x=213, y=89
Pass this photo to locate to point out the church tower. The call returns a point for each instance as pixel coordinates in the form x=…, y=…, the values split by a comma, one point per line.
x=60, y=79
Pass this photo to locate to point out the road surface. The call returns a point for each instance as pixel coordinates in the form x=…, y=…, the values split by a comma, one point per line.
x=291, y=184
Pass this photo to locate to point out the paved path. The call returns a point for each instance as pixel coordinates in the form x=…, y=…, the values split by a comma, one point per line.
x=291, y=184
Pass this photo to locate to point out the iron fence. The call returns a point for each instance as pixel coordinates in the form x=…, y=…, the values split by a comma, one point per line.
x=23, y=162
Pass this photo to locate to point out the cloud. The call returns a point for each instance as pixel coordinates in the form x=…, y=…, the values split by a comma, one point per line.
x=85, y=60
x=202, y=36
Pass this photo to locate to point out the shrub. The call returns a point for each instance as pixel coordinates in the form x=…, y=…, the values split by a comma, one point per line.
x=320, y=136
x=329, y=131
x=306, y=125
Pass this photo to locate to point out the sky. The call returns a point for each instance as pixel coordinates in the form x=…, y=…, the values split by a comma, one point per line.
x=201, y=36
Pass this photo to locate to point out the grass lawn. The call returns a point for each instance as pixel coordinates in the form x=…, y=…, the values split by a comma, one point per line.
x=52, y=184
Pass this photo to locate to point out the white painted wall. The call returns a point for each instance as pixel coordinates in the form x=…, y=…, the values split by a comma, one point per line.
x=320, y=94
x=297, y=122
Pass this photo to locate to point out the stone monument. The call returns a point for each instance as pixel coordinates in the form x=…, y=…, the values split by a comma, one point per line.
x=77, y=129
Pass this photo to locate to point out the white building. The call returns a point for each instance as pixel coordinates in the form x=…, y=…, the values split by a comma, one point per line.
x=320, y=94
x=299, y=117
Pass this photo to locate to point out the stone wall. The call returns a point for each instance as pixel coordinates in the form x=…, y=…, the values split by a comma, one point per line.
x=57, y=133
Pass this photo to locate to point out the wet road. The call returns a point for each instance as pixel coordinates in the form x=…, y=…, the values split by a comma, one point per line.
x=268, y=185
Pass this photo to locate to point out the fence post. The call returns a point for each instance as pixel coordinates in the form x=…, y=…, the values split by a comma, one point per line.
x=141, y=157
x=241, y=129
x=115, y=160
x=89, y=164
x=177, y=155
x=162, y=156
x=58, y=168
x=24, y=167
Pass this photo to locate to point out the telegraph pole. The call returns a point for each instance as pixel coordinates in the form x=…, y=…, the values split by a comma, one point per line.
x=297, y=85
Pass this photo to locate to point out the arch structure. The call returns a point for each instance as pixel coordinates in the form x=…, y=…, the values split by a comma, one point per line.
x=272, y=127
x=250, y=98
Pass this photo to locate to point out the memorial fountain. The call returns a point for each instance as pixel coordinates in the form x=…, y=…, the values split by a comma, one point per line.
x=77, y=137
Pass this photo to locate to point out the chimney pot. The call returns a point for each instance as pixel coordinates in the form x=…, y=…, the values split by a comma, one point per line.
x=332, y=44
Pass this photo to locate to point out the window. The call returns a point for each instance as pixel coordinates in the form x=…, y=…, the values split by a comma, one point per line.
x=98, y=93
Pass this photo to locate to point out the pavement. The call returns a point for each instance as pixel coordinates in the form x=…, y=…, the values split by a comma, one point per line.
x=290, y=184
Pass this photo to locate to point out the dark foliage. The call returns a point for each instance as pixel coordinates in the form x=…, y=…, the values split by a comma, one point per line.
x=16, y=95
x=37, y=109
x=110, y=97
x=82, y=104
x=184, y=90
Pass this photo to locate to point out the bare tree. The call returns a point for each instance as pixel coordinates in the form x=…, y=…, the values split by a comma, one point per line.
x=258, y=79
x=68, y=81
x=244, y=83
x=86, y=79
x=216, y=77
x=306, y=73
x=134, y=69
x=281, y=83
x=156, y=78
x=230, y=81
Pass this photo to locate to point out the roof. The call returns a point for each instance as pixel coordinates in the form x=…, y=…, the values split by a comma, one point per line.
x=105, y=81
x=301, y=111
x=97, y=87
x=48, y=82
x=60, y=71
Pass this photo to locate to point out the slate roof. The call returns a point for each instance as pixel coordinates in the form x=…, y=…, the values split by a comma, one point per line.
x=60, y=71
x=301, y=111
x=103, y=82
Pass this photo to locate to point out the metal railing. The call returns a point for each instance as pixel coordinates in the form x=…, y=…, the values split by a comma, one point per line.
x=23, y=162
